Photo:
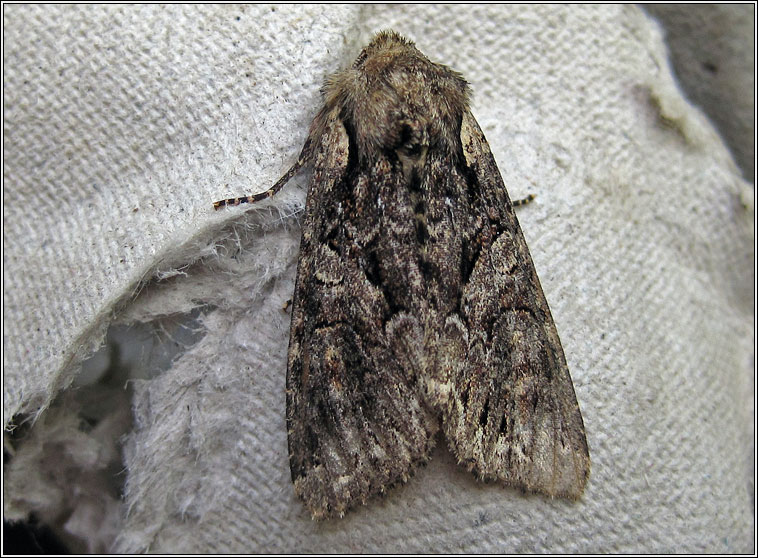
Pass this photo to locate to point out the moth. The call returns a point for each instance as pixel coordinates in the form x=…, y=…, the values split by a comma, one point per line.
x=417, y=308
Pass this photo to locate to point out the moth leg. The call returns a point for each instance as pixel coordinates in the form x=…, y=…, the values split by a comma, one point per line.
x=263, y=195
x=523, y=201
x=302, y=160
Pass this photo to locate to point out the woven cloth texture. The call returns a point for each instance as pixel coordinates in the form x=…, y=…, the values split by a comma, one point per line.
x=124, y=123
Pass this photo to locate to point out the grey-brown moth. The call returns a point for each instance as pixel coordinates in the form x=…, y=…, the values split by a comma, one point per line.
x=417, y=307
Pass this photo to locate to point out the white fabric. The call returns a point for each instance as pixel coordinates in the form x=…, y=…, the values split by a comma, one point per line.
x=124, y=123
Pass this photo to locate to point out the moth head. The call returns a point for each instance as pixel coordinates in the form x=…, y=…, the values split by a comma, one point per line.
x=393, y=98
x=384, y=43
